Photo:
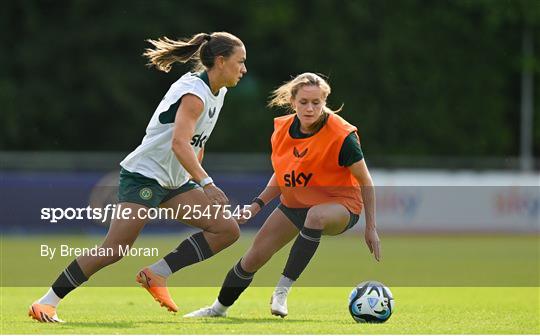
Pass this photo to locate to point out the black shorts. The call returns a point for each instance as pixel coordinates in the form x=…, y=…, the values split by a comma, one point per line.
x=136, y=188
x=298, y=216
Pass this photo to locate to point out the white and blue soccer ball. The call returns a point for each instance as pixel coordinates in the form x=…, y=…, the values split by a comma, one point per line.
x=371, y=302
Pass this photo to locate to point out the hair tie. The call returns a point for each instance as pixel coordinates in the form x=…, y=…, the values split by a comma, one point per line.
x=207, y=37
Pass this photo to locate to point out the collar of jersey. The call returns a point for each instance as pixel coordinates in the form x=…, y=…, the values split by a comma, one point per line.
x=296, y=133
x=204, y=77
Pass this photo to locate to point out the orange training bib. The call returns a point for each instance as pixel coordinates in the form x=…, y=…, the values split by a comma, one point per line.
x=307, y=170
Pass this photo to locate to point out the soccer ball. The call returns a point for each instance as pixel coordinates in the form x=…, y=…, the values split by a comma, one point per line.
x=371, y=302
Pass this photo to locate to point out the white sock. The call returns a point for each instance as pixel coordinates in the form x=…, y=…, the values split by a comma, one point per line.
x=285, y=283
x=50, y=298
x=161, y=268
x=218, y=307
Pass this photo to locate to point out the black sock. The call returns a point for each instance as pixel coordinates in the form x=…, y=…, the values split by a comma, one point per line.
x=302, y=251
x=236, y=281
x=71, y=278
x=190, y=251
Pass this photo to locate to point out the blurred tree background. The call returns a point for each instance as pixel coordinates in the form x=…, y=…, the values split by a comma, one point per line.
x=417, y=77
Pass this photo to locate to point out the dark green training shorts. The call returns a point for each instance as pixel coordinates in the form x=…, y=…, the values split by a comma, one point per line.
x=137, y=188
x=298, y=216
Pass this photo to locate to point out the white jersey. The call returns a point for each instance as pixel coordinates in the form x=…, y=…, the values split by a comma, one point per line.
x=154, y=157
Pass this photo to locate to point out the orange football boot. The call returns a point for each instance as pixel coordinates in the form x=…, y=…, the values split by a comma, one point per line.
x=43, y=313
x=156, y=285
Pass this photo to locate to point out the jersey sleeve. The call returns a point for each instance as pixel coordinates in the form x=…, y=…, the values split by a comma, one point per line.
x=197, y=89
x=169, y=105
x=350, y=152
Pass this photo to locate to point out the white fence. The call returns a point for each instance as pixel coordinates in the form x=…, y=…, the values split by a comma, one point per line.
x=437, y=201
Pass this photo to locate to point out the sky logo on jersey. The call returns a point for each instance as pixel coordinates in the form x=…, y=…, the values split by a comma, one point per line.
x=211, y=112
x=297, y=180
x=198, y=140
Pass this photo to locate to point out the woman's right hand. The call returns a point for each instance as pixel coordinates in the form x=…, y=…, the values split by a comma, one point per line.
x=373, y=242
x=248, y=212
x=215, y=195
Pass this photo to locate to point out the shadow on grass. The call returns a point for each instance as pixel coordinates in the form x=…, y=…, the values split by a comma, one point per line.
x=116, y=325
x=230, y=320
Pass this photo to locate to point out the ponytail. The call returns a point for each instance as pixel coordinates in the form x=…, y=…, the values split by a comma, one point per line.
x=202, y=48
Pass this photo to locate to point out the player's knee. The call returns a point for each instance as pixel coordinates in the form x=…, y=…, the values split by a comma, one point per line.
x=234, y=232
x=315, y=219
x=230, y=232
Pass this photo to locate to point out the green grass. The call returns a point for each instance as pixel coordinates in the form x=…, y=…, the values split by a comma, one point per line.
x=343, y=261
x=312, y=311
x=442, y=285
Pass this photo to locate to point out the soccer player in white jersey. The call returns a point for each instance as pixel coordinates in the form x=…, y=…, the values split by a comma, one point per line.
x=165, y=169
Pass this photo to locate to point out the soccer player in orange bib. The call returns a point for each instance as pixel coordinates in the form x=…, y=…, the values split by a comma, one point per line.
x=323, y=183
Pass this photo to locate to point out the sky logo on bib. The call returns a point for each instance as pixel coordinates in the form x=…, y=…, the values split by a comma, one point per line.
x=145, y=193
x=211, y=112
x=297, y=180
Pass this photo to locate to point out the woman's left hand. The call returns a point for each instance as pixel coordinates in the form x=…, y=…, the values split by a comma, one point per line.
x=248, y=212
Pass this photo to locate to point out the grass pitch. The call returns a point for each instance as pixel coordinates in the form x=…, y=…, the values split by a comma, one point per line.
x=441, y=284
x=312, y=311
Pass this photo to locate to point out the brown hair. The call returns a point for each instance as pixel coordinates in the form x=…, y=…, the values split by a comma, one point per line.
x=201, y=48
x=282, y=96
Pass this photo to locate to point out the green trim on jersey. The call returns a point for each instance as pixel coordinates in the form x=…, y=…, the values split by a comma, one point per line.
x=296, y=133
x=204, y=76
x=350, y=151
x=168, y=116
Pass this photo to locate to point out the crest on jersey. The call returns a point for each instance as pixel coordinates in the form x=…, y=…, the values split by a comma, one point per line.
x=299, y=154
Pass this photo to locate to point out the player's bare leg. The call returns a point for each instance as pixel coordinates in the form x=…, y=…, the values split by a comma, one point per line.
x=122, y=232
x=276, y=232
x=330, y=219
x=217, y=233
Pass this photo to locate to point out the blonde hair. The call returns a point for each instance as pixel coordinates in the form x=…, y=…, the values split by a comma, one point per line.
x=283, y=95
x=201, y=48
